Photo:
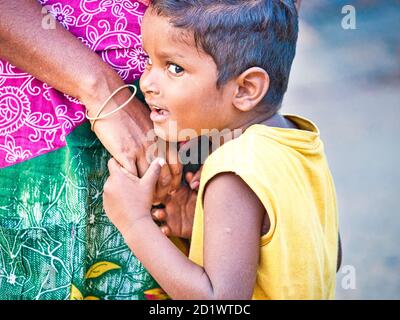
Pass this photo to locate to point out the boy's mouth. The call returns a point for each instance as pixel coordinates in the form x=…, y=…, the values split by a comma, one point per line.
x=158, y=114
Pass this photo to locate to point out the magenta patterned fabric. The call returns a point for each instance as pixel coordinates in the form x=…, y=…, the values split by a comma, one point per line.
x=35, y=118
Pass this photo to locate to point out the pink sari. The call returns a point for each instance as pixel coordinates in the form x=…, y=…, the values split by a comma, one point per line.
x=35, y=118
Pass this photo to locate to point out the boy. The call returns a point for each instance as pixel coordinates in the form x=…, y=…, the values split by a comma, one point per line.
x=265, y=225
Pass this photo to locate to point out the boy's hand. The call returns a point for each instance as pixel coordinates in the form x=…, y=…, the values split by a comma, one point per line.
x=177, y=216
x=127, y=198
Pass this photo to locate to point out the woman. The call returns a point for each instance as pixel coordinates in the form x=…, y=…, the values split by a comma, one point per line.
x=55, y=241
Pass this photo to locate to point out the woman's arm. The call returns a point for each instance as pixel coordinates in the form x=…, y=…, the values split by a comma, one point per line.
x=56, y=57
x=232, y=227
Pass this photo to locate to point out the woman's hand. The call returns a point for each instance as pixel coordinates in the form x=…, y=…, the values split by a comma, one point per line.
x=124, y=135
x=128, y=198
x=127, y=135
x=171, y=175
x=176, y=218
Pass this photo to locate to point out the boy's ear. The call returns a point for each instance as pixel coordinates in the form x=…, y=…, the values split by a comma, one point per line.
x=251, y=86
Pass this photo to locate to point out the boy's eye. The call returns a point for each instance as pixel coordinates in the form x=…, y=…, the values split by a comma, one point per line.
x=175, y=69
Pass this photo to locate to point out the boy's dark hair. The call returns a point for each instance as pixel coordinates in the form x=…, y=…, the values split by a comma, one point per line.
x=240, y=34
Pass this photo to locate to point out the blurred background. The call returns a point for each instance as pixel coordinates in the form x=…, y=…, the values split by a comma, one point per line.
x=348, y=82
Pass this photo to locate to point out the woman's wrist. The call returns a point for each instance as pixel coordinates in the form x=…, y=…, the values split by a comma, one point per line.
x=98, y=87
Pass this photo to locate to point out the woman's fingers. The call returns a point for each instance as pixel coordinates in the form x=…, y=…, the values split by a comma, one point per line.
x=159, y=215
x=194, y=179
x=166, y=230
x=175, y=166
x=171, y=175
x=163, y=184
x=176, y=173
x=189, y=176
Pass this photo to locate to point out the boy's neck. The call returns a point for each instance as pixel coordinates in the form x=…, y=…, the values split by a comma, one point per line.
x=274, y=119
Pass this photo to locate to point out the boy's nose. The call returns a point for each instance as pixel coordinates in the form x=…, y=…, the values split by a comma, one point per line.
x=148, y=83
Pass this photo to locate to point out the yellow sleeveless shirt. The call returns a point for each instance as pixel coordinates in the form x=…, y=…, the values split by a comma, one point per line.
x=288, y=171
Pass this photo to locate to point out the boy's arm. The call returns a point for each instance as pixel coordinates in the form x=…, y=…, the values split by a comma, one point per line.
x=233, y=217
x=232, y=225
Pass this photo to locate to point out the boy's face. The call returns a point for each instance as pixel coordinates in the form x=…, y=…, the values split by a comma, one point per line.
x=179, y=83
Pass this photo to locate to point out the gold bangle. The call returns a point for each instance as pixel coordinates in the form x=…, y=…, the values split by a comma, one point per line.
x=99, y=117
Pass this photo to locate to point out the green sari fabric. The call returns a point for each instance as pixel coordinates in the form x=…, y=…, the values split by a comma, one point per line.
x=55, y=239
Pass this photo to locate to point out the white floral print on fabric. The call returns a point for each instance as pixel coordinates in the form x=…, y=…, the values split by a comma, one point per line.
x=35, y=118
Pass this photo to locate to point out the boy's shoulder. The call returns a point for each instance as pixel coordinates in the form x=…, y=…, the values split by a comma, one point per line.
x=250, y=150
x=267, y=148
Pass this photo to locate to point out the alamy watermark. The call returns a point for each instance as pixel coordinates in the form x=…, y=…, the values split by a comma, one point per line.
x=197, y=146
x=48, y=21
x=195, y=143
x=348, y=281
x=349, y=21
